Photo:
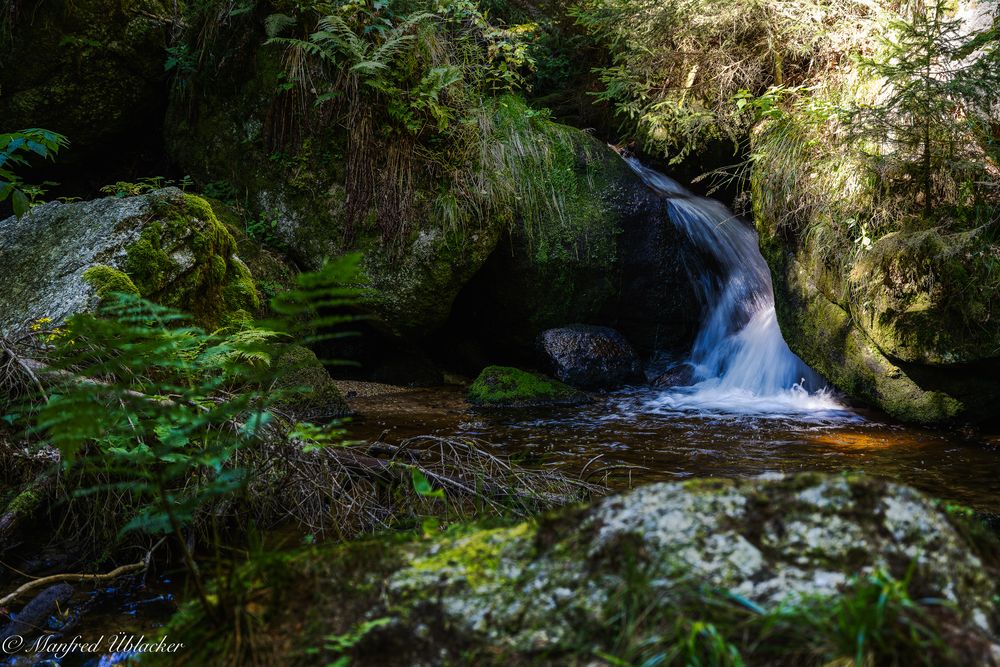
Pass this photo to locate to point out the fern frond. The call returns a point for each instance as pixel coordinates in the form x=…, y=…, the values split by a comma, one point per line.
x=275, y=24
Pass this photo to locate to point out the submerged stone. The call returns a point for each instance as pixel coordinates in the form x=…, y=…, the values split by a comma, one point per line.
x=681, y=375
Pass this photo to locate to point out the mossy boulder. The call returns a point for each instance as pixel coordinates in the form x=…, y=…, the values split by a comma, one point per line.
x=930, y=296
x=308, y=391
x=166, y=246
x=539, y=215
x=507, y=387
x=764, y=568
x=906, y=325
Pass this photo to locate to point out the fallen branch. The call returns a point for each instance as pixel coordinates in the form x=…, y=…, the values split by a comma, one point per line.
x=119, y=571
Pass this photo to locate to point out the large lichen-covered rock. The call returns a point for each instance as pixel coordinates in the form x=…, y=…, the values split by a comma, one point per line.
x=506, y=387
x=92, y=70
x=165, y=246
x=739, y=560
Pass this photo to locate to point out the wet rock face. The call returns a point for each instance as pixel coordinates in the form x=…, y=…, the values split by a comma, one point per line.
x=590, y=357
x=165, y=246
x=907, y=329
x=681, y=375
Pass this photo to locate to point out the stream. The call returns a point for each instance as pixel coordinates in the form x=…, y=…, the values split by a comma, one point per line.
x=653, y=437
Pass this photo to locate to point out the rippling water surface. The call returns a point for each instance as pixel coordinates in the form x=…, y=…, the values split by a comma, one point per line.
x=647, y=435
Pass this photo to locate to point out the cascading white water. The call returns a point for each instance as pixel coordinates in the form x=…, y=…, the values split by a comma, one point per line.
x=741, y=362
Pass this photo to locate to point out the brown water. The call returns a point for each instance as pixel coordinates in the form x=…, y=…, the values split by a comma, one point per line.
x=637, y=440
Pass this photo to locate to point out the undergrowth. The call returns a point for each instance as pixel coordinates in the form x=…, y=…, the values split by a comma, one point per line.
x=876, y=620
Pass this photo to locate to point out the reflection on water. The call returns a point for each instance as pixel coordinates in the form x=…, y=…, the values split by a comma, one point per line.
x=661, y=438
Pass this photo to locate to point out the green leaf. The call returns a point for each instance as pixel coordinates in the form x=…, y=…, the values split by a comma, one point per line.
x=20, y=203
x=423, y=486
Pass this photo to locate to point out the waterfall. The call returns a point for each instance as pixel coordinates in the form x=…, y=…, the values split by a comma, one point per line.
x=741, y=363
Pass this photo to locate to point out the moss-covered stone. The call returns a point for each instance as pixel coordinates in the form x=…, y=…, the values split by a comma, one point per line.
x=165, y=246
x=307, y=390
x=107, y=280
x=185, y=258
x=506, y=387
x=904, y=324
x=745, y=558
x=929, y=296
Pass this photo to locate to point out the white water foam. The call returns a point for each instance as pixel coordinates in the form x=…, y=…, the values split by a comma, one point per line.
x=742, y=365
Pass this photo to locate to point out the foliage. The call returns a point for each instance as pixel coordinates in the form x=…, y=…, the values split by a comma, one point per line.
x=408, y=79
x=149, y=404
x=143, y=186
x=939, y=86
x=896, y=141
x=676, y=65
x=263, y=229
x=159, y=414
x=15, y=150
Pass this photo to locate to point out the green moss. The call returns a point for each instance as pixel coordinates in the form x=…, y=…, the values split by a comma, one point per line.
x=24, y=503
x=475, y=558
x=929, y=296
x=185, y=258
x=308, y=391
x=506, y=387
x=107, y=280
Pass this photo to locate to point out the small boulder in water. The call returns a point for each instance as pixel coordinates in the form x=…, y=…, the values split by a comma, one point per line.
x=590, y=357
x=681, y=375
x=506, y=387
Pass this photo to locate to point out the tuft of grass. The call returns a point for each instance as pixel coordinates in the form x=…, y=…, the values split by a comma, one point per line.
x=876, y=620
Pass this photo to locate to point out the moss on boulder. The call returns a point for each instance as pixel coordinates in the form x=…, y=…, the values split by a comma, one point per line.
x=108, y=280
x=904, y=323
x=769, y=565
x=507, y=387
x=309, y=393
x=929, y=296
x=184, y=258
x=165, y=246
